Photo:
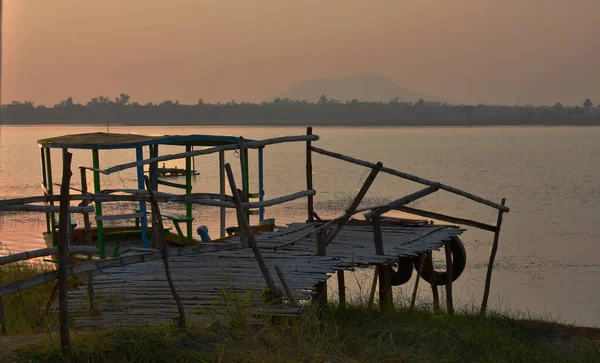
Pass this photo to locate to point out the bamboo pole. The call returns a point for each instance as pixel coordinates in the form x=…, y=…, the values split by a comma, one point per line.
x=357, y=199
x=249, y=236
x=159, y=233
x=44, y=209
x=446, y=218
x=377, y=236
x=488, y=276
x=309, y=179
x=416, y=288
x=248, y=145
x=286, y=287
x=400, y=202
x=63, y=253
x=22, y=256
x=434, y=288
x=188, y=190
x=412, y=178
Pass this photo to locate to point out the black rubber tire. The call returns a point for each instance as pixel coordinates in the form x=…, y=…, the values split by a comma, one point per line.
x=459, y=261
x=404, y=272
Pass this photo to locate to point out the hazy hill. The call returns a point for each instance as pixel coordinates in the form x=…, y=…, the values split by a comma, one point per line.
x=364, y=87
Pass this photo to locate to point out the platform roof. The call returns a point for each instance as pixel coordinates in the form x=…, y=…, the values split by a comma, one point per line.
x=103, y=140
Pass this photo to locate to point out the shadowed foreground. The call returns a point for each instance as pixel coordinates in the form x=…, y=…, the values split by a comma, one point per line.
x=335, y=335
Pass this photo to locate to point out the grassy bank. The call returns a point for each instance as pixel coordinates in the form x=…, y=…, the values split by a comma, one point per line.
x=354, y=334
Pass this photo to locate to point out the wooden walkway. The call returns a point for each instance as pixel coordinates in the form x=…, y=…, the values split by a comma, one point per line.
x=139, y=294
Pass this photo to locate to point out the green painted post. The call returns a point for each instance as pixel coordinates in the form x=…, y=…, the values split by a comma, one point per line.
x=188, y=190
x=100, y=224
x=49, y=188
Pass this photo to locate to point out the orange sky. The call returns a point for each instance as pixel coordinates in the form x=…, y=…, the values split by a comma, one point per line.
x=463, y=51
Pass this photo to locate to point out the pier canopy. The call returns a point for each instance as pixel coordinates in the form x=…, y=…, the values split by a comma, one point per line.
x=97, y=141
x=107, y=141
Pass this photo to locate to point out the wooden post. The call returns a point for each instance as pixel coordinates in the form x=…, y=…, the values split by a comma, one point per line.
x=222, y=191
x=50, y=191
x=309, y=180
x=321, y=288
x=488, y=276
x=434, y=288
x=249, y=236
x=188, y=190
x=45, y=186
x=373, y=287
x=449, y=302
x=158, y=233
x=386, y=302
x=341, y=288
x=63, y=255
x=261, y=184
x=88, y=241
x=99, y=224
x=139, y=155
x=377, y=236
x=244, y=173
x=286, y=287
x=419, y=272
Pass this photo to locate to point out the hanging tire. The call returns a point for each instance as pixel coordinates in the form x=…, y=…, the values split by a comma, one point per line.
x=403, y=273
x=459, y=261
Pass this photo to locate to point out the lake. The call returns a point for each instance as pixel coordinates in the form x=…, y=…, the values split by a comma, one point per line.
x=548, y=258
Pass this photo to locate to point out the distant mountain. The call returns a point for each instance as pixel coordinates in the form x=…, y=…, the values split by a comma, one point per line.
x=363, y=87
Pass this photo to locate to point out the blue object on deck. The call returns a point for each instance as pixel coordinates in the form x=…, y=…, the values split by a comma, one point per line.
x=203, y=233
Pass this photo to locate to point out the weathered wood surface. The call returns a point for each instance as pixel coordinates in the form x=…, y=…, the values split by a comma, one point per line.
x=139, y=294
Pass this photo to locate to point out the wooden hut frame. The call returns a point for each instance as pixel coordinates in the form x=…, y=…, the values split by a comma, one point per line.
x=111, y=141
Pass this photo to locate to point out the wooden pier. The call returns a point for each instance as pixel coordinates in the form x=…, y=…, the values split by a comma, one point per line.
x=139, y=294
x=260, y=272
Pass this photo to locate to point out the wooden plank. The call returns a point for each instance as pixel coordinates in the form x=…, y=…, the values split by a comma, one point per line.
x=286, y=287
x=413, y=178
x=446, y=218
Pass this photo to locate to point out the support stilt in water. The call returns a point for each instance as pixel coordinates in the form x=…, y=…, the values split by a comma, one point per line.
x=386, y=299
x=434, y=288
x=488, y=276
x=449, y=302
x=418, y=278
x=341, y=288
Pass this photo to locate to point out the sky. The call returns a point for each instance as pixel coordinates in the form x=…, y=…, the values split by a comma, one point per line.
x=463, y=51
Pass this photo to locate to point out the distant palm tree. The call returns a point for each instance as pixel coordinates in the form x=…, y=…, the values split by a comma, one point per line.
x=587, y=104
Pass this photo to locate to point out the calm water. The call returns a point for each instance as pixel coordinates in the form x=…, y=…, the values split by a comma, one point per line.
x=550, y=243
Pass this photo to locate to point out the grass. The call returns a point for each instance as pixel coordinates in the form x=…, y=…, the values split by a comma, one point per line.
x=25, y=310
x=332, y=334
x=354, y=334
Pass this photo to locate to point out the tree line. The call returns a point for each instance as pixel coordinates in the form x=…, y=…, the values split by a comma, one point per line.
x=325, y=111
